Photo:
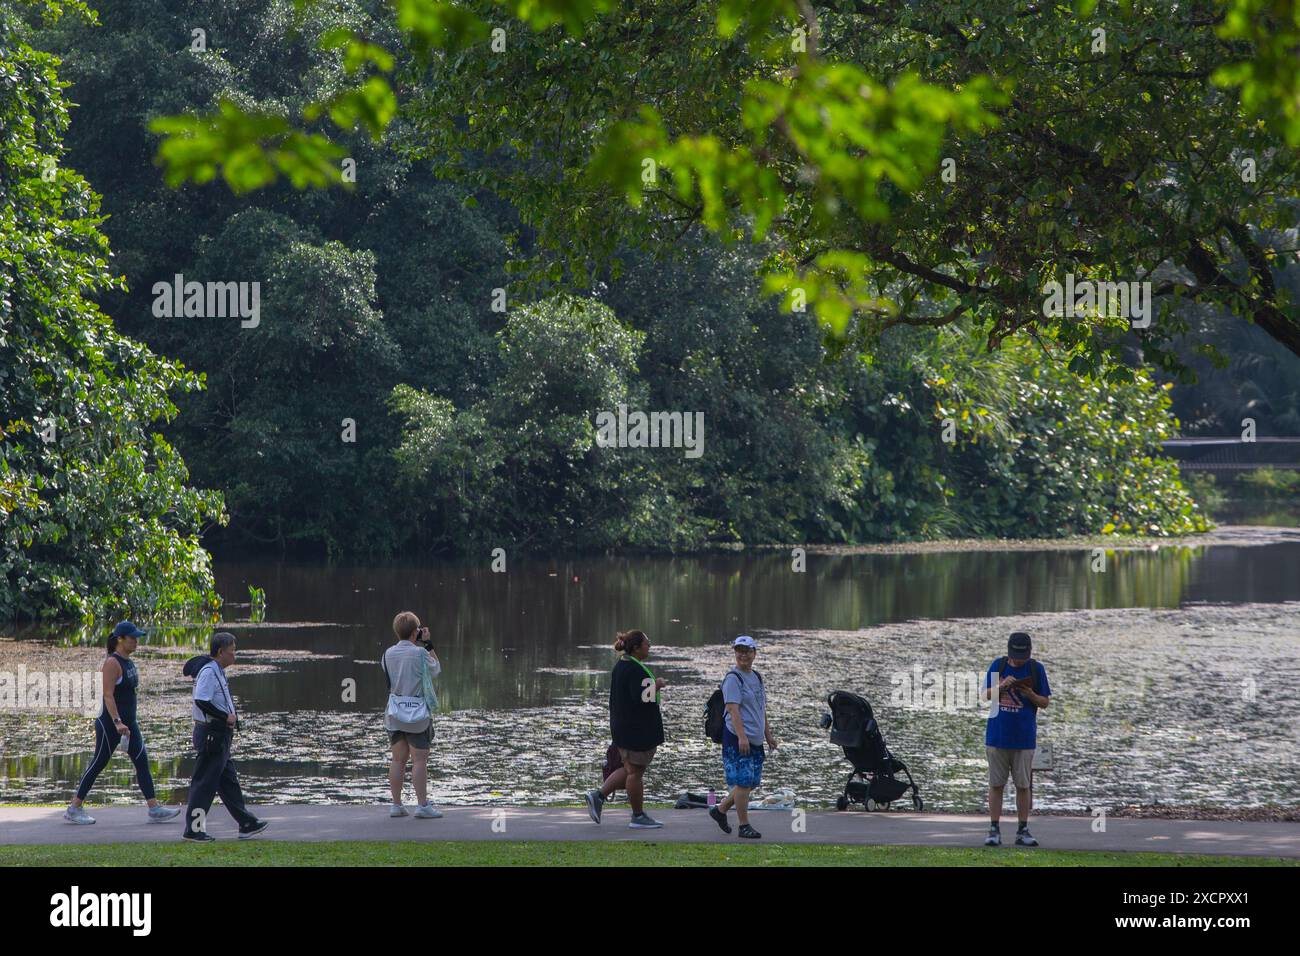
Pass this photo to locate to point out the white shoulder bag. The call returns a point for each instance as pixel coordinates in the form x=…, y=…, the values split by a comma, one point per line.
x=411, y=711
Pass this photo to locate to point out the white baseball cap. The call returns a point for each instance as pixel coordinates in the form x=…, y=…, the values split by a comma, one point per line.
x=744, y=641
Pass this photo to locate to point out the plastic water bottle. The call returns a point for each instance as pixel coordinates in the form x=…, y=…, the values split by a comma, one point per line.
x=713, y=798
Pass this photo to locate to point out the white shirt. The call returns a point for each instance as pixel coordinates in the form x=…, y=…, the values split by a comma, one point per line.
x=211, y=686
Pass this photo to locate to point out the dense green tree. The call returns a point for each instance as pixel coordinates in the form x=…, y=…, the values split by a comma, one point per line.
x=935, y=437
x=390, y=281
x=474, y=427
x=520, y=468
x=1110, y=158
x=97, y=514
x=1243, y=374
x=1138, y=140
x=773, y=461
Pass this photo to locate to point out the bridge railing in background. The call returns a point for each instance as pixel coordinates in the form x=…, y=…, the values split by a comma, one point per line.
x=1233, y=454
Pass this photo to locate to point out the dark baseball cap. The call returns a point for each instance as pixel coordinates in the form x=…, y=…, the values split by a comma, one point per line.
x=127, y=629
x=1019, y=644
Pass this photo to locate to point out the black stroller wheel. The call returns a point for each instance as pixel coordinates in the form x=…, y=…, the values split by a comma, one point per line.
x=841, y=802
x=916, y=802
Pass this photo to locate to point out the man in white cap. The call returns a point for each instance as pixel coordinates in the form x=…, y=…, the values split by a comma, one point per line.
x=744, y=725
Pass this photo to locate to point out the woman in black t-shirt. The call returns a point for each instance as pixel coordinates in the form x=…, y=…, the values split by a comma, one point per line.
x=635, y=724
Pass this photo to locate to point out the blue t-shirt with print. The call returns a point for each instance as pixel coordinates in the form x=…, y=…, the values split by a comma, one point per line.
x=1015, y=725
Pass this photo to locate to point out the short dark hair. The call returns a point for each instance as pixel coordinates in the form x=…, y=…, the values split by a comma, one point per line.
x=220, y=641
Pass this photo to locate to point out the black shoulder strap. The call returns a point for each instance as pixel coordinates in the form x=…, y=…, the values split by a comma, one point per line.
x=383, y=665
x=1002, y=667
x=225, y=692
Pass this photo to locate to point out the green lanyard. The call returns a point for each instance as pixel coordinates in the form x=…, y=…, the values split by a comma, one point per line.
x=637, y=661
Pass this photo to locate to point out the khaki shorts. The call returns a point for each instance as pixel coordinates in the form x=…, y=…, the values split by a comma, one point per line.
x=638, y=758
x=1017, y=763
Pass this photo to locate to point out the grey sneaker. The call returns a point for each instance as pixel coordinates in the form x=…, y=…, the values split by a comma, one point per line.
x=397, y=810
x=595, y=803
x=78, y=815
x=1025, y=838
x=161, y=814
x=994, y=838
x=426, y=811
x=643, y=821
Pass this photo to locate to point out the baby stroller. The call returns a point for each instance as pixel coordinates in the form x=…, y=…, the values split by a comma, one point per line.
x=872, y=782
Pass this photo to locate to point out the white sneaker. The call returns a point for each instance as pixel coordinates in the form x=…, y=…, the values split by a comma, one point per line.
x=397, y=810
x=161, y=814
x=426, y=811
x=78, y=815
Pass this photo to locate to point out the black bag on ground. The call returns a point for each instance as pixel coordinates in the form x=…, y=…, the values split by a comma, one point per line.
x=692, y=801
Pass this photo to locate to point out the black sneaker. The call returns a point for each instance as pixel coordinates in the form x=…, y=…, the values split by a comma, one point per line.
x=595, y=803
x=198, y=836
x=749, y=833
x=253, y=829
x=995, y=836
x=1025, y=838
x=720, y=818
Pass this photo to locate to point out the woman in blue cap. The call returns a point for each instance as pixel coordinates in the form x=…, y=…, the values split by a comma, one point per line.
x=744, y=732
x=117, y=720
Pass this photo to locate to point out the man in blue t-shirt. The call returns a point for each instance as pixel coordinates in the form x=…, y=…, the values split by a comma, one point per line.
x=1012, y=734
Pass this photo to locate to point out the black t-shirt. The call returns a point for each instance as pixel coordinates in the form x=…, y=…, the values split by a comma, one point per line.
x=634, y=723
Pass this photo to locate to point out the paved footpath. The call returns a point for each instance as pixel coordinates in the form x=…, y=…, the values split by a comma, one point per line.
x=304, y=823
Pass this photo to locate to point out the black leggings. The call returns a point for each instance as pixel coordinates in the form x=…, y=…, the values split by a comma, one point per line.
x=106, y=740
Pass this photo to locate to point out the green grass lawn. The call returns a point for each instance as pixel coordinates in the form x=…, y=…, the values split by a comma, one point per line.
x=489, y=853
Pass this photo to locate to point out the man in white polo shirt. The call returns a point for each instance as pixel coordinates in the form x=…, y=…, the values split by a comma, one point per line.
x=215, y=721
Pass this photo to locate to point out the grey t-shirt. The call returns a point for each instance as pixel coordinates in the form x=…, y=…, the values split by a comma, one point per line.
x=402, y=662
x=747, y=691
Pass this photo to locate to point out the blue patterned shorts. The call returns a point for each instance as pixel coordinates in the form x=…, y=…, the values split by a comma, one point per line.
x=741, y=770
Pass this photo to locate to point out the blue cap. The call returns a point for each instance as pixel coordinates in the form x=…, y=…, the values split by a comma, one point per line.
x=744, y=641
x=127, y=629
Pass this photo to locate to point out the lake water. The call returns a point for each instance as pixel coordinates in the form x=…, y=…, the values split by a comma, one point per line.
x=1175, y=674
